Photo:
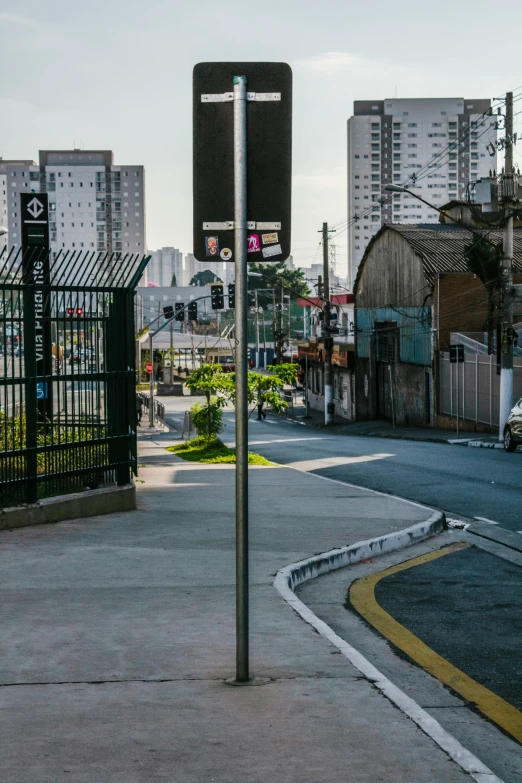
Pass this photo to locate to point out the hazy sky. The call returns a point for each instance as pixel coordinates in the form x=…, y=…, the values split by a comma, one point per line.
x=116, y=74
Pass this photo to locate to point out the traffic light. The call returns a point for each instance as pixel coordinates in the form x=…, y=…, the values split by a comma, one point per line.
x=75, y=311
x=193, y=311
x=216, y=293
x=168, y=312
x=180, y=311
x=231, y=295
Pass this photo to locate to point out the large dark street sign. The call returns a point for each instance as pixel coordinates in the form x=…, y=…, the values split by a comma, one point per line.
x=268, y=156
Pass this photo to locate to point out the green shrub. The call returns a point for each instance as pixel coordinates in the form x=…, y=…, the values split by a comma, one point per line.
x=208, y=418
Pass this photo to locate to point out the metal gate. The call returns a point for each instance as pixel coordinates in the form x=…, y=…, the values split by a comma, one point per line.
x=478, y=387
x=67, y=404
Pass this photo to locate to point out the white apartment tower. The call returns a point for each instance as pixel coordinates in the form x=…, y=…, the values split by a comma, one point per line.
x=164, y=265
x=437, y=147
x=93, y=204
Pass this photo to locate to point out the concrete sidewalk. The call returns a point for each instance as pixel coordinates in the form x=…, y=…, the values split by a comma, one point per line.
x=118, y=636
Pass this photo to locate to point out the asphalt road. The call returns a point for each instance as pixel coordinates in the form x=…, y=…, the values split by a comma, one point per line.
x=474, y=626
x=463, y=481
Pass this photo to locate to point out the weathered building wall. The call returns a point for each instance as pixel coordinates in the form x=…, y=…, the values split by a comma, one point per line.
x=461, y=305
x=392, y=289
x=392, y=274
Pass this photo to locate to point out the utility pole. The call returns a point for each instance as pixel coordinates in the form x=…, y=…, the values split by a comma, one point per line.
x=151, y=382
x=328, y=339
x=171, y=352
x=508, y=190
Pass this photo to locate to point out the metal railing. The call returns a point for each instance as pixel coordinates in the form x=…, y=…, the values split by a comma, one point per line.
x=67, y=406
x=159, y=407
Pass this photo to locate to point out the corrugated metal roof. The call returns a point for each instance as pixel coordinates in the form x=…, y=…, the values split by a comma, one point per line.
x=441, y=247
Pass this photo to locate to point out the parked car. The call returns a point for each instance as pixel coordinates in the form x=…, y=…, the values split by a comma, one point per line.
x=513, y=428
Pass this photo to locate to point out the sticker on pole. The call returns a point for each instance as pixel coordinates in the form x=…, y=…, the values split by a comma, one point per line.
x=226, y=254
x=272, y=250
x=253, y=243
x=212, y=246
x=149, y=367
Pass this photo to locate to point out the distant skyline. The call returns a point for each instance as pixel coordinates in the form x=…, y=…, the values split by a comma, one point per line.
x=118, y=76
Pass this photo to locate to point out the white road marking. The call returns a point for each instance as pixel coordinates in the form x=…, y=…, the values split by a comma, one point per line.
x=332, y=462
x=485, y=519
x=282, y=440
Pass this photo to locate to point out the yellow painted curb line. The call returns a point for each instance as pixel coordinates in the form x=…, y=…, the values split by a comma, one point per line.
x=362, y=598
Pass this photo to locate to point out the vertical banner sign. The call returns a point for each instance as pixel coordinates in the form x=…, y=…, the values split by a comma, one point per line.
x=242, y=165
x=34, y=210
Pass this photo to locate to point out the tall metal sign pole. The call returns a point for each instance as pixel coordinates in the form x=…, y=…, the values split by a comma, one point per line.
x=240, y=244
x=242, y=185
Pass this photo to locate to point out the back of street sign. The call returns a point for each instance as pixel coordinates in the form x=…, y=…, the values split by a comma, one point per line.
x=268, y=154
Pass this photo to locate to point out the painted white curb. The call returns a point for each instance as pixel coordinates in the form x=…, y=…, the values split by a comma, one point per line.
x=290, y=577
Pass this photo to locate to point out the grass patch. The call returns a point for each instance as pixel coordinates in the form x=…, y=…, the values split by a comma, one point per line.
x=213, y=452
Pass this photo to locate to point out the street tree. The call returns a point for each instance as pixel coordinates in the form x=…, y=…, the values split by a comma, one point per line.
x=205, y=277
x=277, y=276
x=286, y=373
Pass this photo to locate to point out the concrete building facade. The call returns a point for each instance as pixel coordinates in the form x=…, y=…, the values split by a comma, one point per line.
x=94, y=204
x=164, y=265
x=434, y=146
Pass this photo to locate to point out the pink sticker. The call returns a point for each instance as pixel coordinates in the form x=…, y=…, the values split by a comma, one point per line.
x=254, y=245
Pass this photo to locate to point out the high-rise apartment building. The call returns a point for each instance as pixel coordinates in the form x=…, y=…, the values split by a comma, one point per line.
x=94, y=204
x=165, y=265
x=436, y=147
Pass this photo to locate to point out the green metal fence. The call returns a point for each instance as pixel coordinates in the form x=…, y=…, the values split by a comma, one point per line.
x=67, y=390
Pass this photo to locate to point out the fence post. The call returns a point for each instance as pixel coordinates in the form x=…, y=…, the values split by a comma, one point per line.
x=31, y=408
x=490, y=389
x=476, y=388
x=120, y=373
x=451, y=390
x=464, y=388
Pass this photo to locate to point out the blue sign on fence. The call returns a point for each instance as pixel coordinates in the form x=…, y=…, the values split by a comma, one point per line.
x=41, y=390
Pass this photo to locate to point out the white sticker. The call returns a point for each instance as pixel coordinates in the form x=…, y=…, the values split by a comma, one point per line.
x=274, y=250
x=226, y=254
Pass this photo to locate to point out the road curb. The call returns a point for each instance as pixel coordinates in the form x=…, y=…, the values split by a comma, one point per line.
x=343, y=429
x=290, y=577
